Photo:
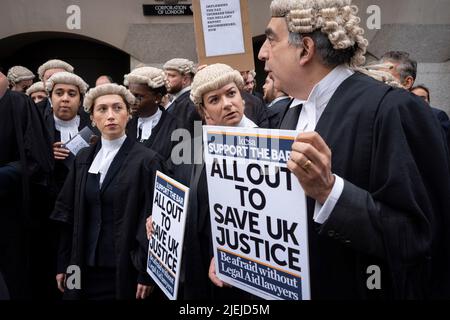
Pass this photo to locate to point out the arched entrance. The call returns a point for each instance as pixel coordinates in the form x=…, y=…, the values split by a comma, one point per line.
x=89, y=57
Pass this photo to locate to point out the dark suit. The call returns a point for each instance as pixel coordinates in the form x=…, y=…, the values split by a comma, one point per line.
x=184, y=110
x=255, y=110
x=393, y=211
x=276, y=111
x=443, y=119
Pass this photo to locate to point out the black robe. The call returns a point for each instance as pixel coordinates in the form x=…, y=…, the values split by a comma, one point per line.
x=160, y=140
x=184, y=110
x=132, y=175
x=45, y=245
x=25, y=167
x=395, y=205
x=44, y=105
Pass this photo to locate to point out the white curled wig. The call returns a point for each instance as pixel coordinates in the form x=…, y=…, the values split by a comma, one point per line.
x=152, y=77
x=36, y=87
x=19, y=73
x=336, y=18
x=211, y=78
x=54, y=64
x=183, y=66
x=66, y=78
x=380, y=72
x=107, y=89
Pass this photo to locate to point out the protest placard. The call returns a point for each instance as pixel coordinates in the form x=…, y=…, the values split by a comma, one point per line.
x=222, y=33
x=258, y=212
x=166, y=244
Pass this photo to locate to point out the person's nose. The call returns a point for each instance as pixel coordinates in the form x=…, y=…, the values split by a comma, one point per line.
x=110, y=114
x=65, y=97
x=262, y=54
x=227, y=102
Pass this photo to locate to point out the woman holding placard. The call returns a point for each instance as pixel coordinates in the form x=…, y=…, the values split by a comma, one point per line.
x=216, y=93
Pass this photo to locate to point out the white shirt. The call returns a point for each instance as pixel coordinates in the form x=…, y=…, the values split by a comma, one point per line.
x=147, y=124
x=246, y=123
x=276, y=100
x=309, y=116
x=105, y=157
x=68, y=129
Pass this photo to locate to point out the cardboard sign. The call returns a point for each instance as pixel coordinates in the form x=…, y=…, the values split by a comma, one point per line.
x=258, y=212
x=170, y=201
x=222, y=32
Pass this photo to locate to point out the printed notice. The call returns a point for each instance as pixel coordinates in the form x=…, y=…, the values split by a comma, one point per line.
x=80, y=141
x=222, y=27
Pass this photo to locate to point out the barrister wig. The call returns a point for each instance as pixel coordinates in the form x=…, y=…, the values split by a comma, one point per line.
x=213, y=77
x=183, y=66
x=54, y=64
x=335, y=18
x=66, y=78
x=107, y=89
x=19, y=73
x=36, y=87
x=379, y=72
x=152, y=77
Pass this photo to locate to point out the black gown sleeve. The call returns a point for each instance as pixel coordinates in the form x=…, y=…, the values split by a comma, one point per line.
x=403, y=217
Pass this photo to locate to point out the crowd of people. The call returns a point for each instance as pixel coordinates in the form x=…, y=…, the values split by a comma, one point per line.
x=371, y=155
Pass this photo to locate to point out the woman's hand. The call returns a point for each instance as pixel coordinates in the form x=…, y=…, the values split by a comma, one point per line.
x=59, y=152
x=143, y=291
x=213, y=276
x=149, y=227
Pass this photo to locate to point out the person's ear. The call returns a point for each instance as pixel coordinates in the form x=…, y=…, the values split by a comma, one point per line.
x=408, y=83
x=307, y=51
x=185, y=80
x=158, y=98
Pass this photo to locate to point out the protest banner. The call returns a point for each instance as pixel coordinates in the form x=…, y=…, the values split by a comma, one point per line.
x=222, y=33
x=258, y=212
x=166, y=244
